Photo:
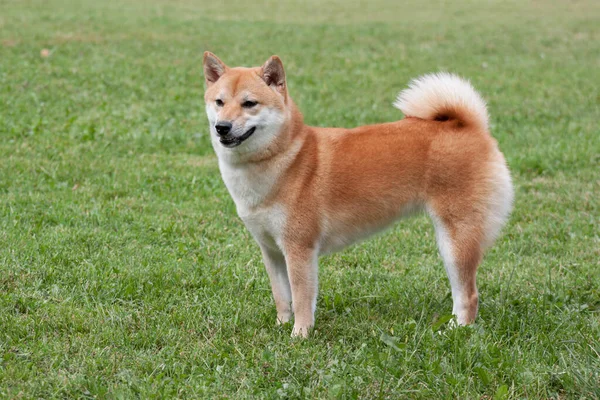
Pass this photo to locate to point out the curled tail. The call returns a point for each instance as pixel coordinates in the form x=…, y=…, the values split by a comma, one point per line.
x=443, y=97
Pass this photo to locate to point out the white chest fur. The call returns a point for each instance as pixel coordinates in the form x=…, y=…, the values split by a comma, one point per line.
x=267, y=225
x=250, y=187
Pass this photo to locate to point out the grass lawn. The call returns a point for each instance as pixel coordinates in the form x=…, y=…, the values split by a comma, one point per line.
x=125, y=271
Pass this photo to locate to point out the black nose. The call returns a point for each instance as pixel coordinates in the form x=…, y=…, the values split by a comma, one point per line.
x=223, y=128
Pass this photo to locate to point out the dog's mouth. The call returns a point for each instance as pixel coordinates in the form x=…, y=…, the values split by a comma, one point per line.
x=236, y=141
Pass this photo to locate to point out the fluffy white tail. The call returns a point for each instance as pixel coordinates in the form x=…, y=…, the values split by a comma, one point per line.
x=442, y=97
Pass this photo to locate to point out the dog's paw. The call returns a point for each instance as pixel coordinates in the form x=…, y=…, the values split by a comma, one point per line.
x=283, y=319
x=454, y=323
x=301, y=331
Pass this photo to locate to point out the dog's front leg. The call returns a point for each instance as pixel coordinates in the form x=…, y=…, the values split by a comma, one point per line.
x=280, y=284
x=303, y=273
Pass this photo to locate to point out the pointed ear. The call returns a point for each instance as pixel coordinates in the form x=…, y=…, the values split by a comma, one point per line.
x=213, y=68
x=274, y=75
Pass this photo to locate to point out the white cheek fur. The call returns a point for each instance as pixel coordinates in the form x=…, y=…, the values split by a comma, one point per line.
x=268, y=123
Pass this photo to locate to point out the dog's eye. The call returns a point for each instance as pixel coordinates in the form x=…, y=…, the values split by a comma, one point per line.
x=219, y=102
x=249, y=104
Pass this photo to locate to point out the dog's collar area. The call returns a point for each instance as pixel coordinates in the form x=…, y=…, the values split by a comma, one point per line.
x=236, y=141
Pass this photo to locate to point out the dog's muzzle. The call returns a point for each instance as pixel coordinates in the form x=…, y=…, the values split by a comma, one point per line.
x=234, y=141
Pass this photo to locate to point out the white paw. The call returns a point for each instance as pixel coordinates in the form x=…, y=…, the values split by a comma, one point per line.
x=283, y=319
x=457, y=321
x=301, y=331
x=453, y=323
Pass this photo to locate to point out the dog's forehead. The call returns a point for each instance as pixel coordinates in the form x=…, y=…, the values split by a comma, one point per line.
x=240, y=82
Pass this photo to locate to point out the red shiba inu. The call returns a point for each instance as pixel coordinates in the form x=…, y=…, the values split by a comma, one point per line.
x=303, y=191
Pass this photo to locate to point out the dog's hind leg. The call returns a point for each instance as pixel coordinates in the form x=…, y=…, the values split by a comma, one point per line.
x=460, y=245
x=467, y=221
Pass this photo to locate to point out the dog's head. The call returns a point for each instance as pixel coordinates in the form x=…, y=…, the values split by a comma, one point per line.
x=247, y=108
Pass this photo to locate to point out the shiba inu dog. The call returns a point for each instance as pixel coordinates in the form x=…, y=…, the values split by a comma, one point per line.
x=303, y=191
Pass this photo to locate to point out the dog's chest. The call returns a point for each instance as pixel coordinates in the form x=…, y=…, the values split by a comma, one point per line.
x=250, y=189
x=267, y=225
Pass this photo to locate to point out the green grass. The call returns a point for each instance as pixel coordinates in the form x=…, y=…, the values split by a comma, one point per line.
x=125, y=272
